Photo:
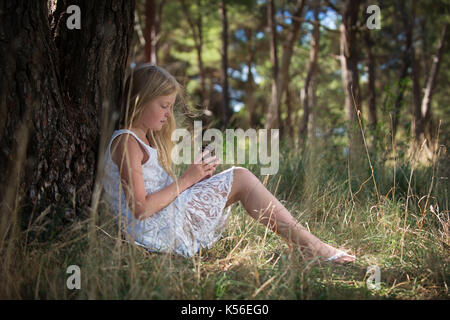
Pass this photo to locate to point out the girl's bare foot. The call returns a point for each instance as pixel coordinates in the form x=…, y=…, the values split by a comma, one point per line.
x=326, y=252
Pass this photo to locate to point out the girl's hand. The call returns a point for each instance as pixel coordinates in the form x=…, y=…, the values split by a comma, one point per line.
x=197, y=172
x=214, y=166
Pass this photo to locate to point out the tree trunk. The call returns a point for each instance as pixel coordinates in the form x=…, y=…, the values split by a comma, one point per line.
x=289, y=118
x=308, y=90
x=288, y=49
x=153, y=16
x=150, y=53
x=197, y=34
x=426, y=102
x=30, y=97
x=424, y=40
x=226, y=111
x=423, y=128
x=371, y=87
x=406, y=58
x=71, y=80
x=311, y=125
x=350, y=79
x=281, y=76
x=272, y=120
x=250, y=101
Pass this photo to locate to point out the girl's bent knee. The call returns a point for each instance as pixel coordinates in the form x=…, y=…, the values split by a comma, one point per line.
x=245, y=177
x=243, y=170
x=244, y=173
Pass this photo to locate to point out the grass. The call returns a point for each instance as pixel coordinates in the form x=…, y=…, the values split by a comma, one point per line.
x=408, y=242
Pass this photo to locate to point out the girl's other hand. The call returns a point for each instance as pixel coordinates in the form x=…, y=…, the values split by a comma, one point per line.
x=214, y=166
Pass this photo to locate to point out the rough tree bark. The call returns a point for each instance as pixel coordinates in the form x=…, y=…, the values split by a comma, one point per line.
x=62, y=82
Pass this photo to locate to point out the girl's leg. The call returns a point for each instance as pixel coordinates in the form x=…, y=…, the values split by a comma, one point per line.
x=261, y=205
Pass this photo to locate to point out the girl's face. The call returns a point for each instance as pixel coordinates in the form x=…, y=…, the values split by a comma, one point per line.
x=156, y=113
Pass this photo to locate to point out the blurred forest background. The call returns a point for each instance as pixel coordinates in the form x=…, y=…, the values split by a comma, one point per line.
x=363, y=115
x=293, y=65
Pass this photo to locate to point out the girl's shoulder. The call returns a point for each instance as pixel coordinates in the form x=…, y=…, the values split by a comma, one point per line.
x=125, y=144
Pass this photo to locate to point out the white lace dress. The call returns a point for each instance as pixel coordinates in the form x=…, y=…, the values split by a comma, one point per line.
x=194, y=220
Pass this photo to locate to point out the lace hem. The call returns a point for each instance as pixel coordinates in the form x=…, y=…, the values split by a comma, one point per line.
x=195, y=220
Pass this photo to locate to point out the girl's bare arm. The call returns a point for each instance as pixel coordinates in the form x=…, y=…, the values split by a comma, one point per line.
x=128, y=155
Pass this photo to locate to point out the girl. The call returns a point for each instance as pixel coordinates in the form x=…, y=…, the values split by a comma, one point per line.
x=181, y=215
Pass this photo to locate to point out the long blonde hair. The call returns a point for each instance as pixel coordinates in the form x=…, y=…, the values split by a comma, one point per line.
x=144, y=83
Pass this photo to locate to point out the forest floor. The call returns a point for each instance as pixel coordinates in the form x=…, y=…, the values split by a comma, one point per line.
x=407, y=242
